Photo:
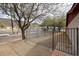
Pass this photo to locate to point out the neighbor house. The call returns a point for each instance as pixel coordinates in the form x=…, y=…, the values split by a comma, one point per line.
x=73, y=25
x=73, y=16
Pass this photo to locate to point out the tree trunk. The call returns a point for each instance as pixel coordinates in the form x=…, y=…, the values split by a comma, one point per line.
x=12, y=26
x=59, y=28
x=54, y=29
x=23, y=34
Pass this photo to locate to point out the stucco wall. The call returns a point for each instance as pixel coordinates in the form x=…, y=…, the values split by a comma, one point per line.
x=74, y=23
x=72, y=33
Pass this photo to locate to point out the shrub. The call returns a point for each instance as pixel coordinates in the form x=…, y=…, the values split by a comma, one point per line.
x=2, y=25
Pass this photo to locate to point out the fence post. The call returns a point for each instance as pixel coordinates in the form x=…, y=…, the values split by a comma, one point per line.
x=52, y=39
x=77, y=42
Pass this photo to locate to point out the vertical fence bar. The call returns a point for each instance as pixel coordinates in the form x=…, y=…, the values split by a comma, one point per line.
x=71, y=40
x=52, y=40
x=67, y=40
x=63, y=38
x=67, y=44
x=59, y=40
x=74, y=39
x=77, y=41
x=63, y=41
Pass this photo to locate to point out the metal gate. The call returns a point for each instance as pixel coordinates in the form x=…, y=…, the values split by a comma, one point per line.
x=66, y=40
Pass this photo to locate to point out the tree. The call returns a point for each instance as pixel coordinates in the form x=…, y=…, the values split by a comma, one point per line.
x=61, y=23
x=6, y=9
x=48, y=22
x=23, y=14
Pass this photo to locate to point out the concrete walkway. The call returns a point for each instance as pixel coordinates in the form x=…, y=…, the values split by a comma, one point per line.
x=24, y=48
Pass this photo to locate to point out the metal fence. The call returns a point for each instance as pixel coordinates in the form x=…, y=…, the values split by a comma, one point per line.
x=66, y=40
x=41, y=36
x=37, y=33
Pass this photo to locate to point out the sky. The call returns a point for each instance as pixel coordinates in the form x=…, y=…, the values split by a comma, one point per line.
x=3, y=16
x=65, y=7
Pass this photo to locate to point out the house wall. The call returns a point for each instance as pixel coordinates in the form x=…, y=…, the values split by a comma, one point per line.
x=73, y=12
x=74, y=23
x=73, y=32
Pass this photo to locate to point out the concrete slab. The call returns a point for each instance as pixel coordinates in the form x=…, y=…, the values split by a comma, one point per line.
x=21, y=48
x=38, y=51
x=6, y=50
